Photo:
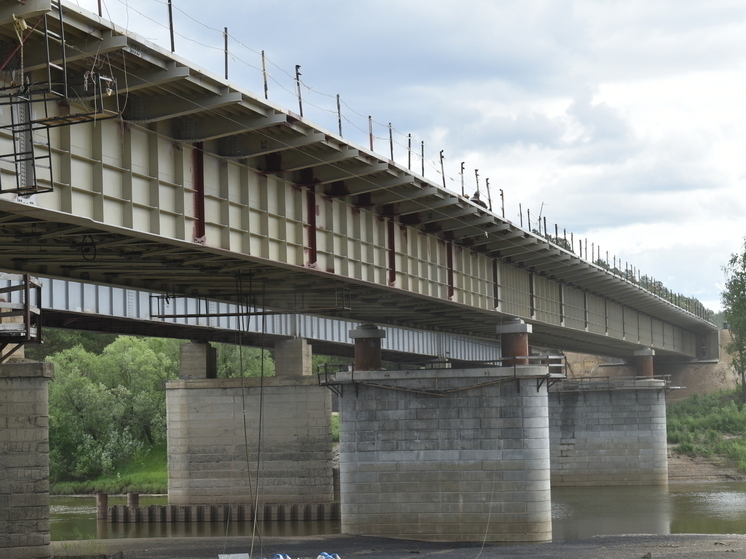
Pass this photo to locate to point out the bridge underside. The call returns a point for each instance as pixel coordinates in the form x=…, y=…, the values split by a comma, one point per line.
x=54, y=244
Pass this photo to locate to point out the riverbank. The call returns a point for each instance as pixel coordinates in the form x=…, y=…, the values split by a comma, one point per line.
x=606, y=547
x=684, y=468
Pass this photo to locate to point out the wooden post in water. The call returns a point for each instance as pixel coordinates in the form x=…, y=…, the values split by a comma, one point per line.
x=102, y=505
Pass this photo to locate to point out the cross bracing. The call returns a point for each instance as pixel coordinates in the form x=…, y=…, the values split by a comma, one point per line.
x=201, y=182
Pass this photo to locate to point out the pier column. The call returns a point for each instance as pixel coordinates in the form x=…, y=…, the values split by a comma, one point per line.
x=24, y=460
x=293, y=358
x=608, y=433
x=198, y=360
x=207, y=454
x=514, y=341
x=133, y=500
x=367, y=347
x=644, y=359
x=446, y=454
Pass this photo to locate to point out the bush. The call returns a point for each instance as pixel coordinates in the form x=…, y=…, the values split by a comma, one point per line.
x=104, y=409
x=709, y=424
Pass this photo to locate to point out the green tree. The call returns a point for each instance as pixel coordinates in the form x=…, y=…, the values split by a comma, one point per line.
x=104, y=408
x=734, y=313
x=236, y=361
x=331, y=363
x=58, y=339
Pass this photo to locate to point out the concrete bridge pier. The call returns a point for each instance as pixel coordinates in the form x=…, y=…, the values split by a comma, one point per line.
x=446, y=454
x=287, y=419
x=24, y=460
x=608, y=432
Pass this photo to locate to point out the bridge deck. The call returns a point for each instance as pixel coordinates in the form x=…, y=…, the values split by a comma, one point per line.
x=202, y=188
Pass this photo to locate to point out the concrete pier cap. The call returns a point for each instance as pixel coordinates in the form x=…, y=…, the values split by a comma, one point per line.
x=367, y=338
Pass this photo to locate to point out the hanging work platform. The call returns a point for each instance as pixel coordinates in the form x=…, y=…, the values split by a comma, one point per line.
x=20, y=313
x=43, y=93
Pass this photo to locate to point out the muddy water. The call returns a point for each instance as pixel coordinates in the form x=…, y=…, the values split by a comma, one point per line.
x=577, y=513
x=703, y=508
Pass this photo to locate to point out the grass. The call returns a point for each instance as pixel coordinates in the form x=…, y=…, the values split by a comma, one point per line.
x=80, y=547
x=710, y=425
x=147, y=473
x=335, y=427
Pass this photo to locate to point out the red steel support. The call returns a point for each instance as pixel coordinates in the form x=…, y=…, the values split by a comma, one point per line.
x=644, y=358
x=514, y=342
x=367, y=347
x=198, y=178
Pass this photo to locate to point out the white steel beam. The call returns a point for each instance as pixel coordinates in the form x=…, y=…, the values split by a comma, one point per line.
x=267, y=144
x=24, y=10
x=131, y=83
x=76, y=51
x=310, y=160
x=340, y=174
x=219, y=126
x=173, y=107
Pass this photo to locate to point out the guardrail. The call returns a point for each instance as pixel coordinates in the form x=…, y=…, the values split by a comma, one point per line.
x=513, y=369
x=614, y=383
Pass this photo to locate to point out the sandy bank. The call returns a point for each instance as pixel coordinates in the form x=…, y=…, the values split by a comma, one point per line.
x=348, y=547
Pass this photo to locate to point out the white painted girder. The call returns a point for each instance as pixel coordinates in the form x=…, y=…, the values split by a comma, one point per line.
x=151, y=181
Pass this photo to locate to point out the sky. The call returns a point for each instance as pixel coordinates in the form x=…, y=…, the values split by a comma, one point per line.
x=623, y=122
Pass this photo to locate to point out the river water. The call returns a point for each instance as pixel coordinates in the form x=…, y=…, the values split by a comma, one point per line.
x=577, y=513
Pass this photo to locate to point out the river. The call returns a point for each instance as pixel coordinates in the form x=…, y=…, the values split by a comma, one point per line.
x=577, y=513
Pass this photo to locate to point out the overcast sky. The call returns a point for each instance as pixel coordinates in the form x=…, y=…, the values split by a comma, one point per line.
x=622, y=121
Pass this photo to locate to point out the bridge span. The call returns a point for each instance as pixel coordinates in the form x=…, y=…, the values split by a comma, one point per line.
x=154, y=174
x=84, y=306
x=124, y=165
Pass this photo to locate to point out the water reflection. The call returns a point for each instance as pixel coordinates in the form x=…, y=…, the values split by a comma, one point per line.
x=702, y=508
x=577, y=513
x=584, y=512
x=74, y=518
x=711, y=509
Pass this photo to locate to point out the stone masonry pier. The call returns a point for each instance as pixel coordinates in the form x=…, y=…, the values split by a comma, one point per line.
x=446, y=455
x=608, y=432
x=209, y=462
x=24, y=460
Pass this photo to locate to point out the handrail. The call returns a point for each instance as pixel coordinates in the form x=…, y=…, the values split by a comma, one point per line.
x=613, y=383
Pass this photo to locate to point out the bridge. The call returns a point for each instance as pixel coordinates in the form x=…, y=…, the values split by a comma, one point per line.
x=101, y=308
x=177, y=180
x=124, y=165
